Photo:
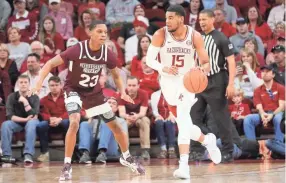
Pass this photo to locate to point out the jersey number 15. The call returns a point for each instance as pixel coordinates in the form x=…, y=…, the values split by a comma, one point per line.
x=178, y=60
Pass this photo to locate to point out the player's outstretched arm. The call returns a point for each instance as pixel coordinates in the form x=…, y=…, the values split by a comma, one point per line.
x=54, y=62
x=201, y=51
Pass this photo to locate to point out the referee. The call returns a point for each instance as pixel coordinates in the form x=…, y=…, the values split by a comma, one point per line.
x=220, y=83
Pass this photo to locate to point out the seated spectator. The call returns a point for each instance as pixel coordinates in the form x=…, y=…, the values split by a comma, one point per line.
x=7, y=65
x=258, y=26
x=82, y=31
x=165, y=125
x=242, y=34
x=18, y=50
x=67, y=7
x=96, y=7
x=277, y=14
x=110, y=81
x=243, y=6
x=108, y=92
x=33, y=72
x=54, y=116
x=269, y=100
x=277, y=36
x=136, y=67
x=108, y=146
x=221, y=25
x=37, y=8
x=243, y=78
x=135, y=114
x=119, y=11
x=192, y=14
x=140, y=25
x=5, y=87
x=38, y=48
x=251, y=44
x=148, y=81
x=5, y=12
x=230, y=11
x=238, y=110
x=25, y=21
x=22, y=113
x=128, y=30
x=279, y=64
x=63, y=21
x=52, y=40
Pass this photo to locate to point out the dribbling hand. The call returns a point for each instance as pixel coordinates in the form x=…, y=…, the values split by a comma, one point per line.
x=127, y=98
x=173, y=70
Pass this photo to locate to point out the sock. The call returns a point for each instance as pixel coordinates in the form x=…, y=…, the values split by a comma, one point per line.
x=126, y=154
x=171, y=148
x=184, y=159
x=163, y=147
x=68, y=160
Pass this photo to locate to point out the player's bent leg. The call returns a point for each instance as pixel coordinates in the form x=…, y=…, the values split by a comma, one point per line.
x=121, y=137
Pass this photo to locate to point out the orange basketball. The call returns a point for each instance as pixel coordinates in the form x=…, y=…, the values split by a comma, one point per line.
x=195, y=81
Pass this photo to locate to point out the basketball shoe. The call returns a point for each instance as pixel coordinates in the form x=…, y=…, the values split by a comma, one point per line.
x=183, y=172
x=66, y=172
x=210, y=144
x=133, y=164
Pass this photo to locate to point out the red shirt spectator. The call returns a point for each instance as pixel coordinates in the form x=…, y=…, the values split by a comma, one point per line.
x=237, y=110
x=97, y=7
x=140, y=100
x=43, y=61
x=242, y=6
x=55, y=42
x=269, y=99
x=221, y=24
x=27, y=23
x=227, y=29
x=136, y=68
x=82, y=31
x=149, y=83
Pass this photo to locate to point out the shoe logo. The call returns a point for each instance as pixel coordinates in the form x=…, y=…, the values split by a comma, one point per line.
x=181, y=97
x=84, y=56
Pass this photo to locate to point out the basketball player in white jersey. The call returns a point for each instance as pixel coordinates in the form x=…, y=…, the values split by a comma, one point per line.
x=177, y=44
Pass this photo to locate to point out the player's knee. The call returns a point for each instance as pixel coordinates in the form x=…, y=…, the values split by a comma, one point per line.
x=108, y=116
x=74, y=126
x=73, y=108
x=195, y=132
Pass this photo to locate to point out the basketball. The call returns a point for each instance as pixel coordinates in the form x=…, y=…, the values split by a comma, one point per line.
x=195, y=81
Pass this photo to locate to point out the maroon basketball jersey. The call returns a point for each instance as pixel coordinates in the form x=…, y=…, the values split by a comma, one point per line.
x=85, y=66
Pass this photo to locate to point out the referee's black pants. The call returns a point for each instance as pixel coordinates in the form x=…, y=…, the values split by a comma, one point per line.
x=214, y=96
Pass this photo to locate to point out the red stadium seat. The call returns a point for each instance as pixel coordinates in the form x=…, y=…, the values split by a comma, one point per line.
x=159, y=24
x=155, y=14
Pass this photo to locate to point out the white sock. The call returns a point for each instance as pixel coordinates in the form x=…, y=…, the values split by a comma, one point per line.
x=68, y=160
x=184, y=159
x=126, y=154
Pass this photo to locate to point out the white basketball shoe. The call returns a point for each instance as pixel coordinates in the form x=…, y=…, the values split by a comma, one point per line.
x=212, y=148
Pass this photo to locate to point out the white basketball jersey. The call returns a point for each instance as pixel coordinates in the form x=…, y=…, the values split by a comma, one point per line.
x=179, y=53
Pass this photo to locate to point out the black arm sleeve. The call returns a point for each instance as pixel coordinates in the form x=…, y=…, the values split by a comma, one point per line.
x=34, y=102
x=227, y=46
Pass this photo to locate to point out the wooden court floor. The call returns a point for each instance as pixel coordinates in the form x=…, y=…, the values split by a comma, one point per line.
x=157, y=171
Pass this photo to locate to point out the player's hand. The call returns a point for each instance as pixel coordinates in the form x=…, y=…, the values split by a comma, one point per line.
x=171, y=70
x=127, y=98
x=205, y=68
x=230, y=91
x=159, y=118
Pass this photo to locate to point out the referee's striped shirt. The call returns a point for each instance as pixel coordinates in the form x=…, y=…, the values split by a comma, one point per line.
x=218, y=47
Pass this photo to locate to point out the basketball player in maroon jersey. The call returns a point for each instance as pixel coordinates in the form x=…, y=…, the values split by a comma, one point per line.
x=85, y=61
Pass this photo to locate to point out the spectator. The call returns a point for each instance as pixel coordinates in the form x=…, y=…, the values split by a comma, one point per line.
x=135, y=114
x=108, y=92
x=277, y=14
x=8, y=65
x=119, y=11
x=82, y=31
x=5, y=12
x=22, y=113
x=279, y=64
x=209, y=4
x=5, y=86
x=192, y=13
x=238, y=110
x=128, y=30
x=278, y=35
x=67, y=7
x=269, y=100
x=164, y=118
x=148, y=81
x=33, y=72
x=37, y=8
x=136, y=67
x=243, y=6
x=52, y=40
x=242, y=34
x=107, y=144
x=38, y=48
x=221, y=25
x=251, y=44
x=110, y=81
x=230, y=11
x=140, y=25
x=25, y=21
x=18, y=51
x=242, y=80
x=63, y=21
x=258, y=26
x=95, y=7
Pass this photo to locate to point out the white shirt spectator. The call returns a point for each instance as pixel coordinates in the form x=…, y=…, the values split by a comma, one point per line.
x=277, y=14
x=19, y=53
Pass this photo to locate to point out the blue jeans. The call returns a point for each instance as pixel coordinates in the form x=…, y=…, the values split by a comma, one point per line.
x=85, y=136
x=276, y=146
x=253, y=120
x=9, y=127
x=160, y=132
x=107, y=141
x=43, y=129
